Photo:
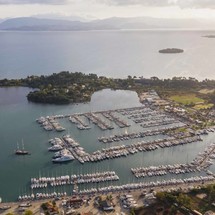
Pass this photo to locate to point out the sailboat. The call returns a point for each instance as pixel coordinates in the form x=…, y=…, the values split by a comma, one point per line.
x=22, y=151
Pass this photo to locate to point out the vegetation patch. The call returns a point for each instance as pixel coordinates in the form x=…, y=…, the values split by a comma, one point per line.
x=50, y=207
x=189, y=202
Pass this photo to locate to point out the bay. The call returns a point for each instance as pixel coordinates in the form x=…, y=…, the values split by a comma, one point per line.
x=18, y=123
x=108, y=53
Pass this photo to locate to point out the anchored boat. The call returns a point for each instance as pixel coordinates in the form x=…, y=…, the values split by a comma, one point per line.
x=22, y=151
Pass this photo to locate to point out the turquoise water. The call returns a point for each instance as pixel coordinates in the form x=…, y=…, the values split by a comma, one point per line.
x=18, y=116
x=109, y=53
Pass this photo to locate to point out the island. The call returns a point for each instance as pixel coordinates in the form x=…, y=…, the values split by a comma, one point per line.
x=209, y=36
x=171, y=51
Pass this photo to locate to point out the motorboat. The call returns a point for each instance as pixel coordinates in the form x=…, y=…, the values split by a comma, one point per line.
x=63, y=159
x=55, y=148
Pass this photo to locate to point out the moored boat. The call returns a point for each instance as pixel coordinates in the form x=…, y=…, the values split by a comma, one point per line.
x=55, y=148
x=63, y=159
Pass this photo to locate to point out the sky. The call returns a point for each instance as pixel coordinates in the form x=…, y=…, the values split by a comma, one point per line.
x=100, y=9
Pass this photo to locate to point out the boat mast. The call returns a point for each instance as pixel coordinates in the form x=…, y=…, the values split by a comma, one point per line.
x=22, y=145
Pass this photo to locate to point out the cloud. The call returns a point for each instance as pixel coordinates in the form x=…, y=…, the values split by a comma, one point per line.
x=18, y=2
x=148, y=3
x=160, y=3
x=196, y=4
x=137, y=2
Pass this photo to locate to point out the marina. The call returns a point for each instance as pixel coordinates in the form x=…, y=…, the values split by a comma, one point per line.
x=79, y=152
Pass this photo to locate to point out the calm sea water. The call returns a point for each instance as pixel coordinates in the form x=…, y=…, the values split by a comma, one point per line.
x=17, y=122
x=109, y=53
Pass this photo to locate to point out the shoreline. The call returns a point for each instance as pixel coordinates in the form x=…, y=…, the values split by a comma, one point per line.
x=36, y=209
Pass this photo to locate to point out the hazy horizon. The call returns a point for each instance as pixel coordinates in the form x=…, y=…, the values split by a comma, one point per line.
x=101, y=9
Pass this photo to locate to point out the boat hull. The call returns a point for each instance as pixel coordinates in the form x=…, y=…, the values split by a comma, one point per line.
x=20, y=152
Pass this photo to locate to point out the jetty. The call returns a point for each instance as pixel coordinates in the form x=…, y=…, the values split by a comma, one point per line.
x=73, y=147
x=76, y=118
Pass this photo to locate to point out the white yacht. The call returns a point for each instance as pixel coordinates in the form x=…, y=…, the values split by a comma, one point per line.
x=64, y=158
x=61, y=153
x=55, y=148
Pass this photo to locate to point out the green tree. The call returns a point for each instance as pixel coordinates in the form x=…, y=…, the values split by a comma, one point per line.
x=184, y=200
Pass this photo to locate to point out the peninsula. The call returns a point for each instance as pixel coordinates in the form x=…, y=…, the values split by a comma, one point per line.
x=75, y=87
x=171, y=51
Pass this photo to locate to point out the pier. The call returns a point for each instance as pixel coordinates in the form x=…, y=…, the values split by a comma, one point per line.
x=142, y=185
x=43, y=182
x=98, y=121
x=134, y=135
x=161, y=122
x=200, y=163
x=121, y=123
x=142, y=172
x=124, y=150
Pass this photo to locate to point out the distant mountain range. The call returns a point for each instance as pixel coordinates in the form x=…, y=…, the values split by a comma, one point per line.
x=115, y=23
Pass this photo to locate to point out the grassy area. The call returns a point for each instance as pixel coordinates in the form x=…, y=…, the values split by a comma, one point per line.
x=203, y=106
x=187, y=99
